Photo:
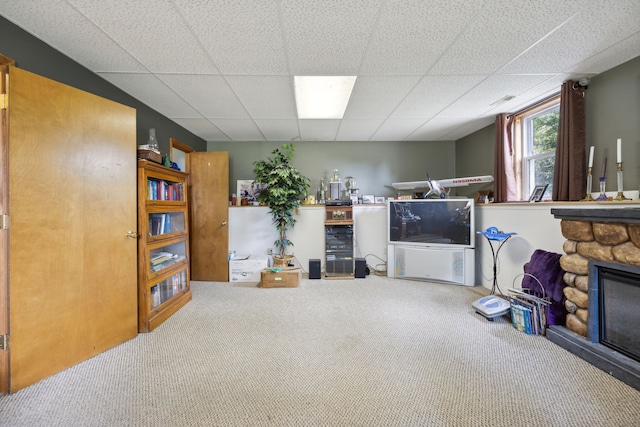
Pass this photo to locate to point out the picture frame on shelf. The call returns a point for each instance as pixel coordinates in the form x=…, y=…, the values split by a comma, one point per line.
x=482, y=196
x=379, y=200
x=368, y=199
x=538, y=192
x=247, y=192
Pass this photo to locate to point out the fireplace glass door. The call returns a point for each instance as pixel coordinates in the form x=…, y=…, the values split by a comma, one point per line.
x=619, y=302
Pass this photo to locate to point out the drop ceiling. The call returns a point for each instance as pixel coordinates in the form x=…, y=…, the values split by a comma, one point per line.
x=426, y=69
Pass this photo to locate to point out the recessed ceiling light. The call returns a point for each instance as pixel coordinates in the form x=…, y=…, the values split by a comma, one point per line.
x=322, y=97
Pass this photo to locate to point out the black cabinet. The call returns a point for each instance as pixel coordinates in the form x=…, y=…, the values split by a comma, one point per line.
x=339, y=250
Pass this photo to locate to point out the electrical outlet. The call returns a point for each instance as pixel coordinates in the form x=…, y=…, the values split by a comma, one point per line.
x=270, y=251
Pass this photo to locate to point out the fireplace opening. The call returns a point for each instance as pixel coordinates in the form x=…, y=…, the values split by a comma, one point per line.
x=619, y=314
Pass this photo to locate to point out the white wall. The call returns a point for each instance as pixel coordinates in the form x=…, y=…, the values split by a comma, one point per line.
x=536, y=228
x=251, y=233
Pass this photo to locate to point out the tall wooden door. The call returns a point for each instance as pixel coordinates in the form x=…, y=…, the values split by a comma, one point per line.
x=70, y=290
x=209, y=204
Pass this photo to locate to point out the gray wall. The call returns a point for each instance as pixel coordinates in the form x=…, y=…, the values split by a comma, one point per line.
x=474, y=156
x=35, y=56
x=373, y=164
x=612, y=111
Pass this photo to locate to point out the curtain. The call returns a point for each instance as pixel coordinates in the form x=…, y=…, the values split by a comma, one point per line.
x=504, y=185
x=570, y=171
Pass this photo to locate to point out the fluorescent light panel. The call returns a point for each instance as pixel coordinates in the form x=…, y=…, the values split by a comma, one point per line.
x=322, y=97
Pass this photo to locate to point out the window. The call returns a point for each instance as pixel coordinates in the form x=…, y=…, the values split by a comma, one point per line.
x=536, y=134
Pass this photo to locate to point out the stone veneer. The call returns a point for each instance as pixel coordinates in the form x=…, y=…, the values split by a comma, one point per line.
x=610, y=235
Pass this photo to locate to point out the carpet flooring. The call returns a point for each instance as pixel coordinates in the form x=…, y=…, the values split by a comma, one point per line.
x=361, y=352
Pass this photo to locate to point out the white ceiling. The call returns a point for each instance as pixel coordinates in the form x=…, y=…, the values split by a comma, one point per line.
x=427, y=69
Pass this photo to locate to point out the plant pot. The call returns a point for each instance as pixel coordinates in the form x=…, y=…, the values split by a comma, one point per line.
x=282, y=262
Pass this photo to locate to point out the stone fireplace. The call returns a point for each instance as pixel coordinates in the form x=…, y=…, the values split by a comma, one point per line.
x=598, y=240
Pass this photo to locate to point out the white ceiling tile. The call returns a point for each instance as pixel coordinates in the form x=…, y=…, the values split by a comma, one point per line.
x=448, y=129
x=472, y=125
x=397, y=129
x=318, y=130
x=378, y=96
x=433, y=94
x=159, y=38
x=279, y=130
x=98, y=51
x=358, y=129
x=426, y=69
x=150, y=90
x=502, y=30
x=327, y=37
x=239, y=129
x=265, y=97
x=617, y=54
x=203, y=128
x=581, y=37
x=209, y=94
x=477, y=102
x=241, y=36
x=412, y=34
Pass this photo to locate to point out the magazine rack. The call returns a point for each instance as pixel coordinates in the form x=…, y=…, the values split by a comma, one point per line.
x=529, y=308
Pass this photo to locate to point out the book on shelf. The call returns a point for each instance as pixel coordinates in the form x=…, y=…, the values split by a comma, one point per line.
x=159, y=223
x=160, y=189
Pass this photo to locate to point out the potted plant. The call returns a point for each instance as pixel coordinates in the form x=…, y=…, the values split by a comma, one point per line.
x=284, y=188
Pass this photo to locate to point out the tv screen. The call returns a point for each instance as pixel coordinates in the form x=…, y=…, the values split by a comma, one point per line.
x=431, y=222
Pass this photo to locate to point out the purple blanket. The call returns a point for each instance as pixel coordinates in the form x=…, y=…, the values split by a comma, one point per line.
x=545, y=266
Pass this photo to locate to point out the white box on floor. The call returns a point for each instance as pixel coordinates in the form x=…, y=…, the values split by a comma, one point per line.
x=246, y=268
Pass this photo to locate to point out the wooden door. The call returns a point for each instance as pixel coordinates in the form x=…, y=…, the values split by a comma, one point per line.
x=72, y=199
x=209, y=205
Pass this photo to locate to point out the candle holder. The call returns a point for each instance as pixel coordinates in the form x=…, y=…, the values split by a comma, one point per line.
x=603, y=187
x=588, y=197
x=620, y=195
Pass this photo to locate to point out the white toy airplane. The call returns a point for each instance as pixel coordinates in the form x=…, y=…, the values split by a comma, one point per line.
x=437, y=188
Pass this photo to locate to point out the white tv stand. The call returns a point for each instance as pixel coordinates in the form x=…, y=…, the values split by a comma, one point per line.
x=433, y=263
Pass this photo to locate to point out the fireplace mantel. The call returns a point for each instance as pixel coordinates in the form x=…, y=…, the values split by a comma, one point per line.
x=626, y=214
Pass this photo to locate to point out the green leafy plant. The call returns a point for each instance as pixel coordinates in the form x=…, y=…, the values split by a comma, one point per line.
x=284, y=188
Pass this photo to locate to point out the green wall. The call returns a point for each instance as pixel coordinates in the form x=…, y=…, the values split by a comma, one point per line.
x=373, y=164
x=612, y=111
x=33, y=55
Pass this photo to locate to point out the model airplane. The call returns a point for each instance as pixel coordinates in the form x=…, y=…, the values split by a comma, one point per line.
x=437, y=188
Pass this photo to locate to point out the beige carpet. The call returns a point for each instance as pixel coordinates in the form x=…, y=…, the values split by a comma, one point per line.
x=363, y=352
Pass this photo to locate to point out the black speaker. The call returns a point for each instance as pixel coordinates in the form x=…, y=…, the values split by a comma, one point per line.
x=314, y=269
x=361, y=268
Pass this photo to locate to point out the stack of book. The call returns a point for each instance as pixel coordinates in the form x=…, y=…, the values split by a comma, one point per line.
x=161, y=260
x=528, y=312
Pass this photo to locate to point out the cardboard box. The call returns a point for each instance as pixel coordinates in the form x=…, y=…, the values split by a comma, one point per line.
x=246, y=268
x=280, y=278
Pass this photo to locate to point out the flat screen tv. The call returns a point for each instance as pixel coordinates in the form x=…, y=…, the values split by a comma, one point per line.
x=431, y=222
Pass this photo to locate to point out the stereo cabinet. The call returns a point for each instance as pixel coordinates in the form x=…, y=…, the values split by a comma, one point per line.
x=163, y=244
x=338, y=227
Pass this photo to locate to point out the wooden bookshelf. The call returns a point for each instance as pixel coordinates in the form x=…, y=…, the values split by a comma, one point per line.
x=163, y=244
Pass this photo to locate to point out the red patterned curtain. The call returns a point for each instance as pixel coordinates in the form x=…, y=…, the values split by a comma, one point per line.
x=570, y=169
x=504, y=185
